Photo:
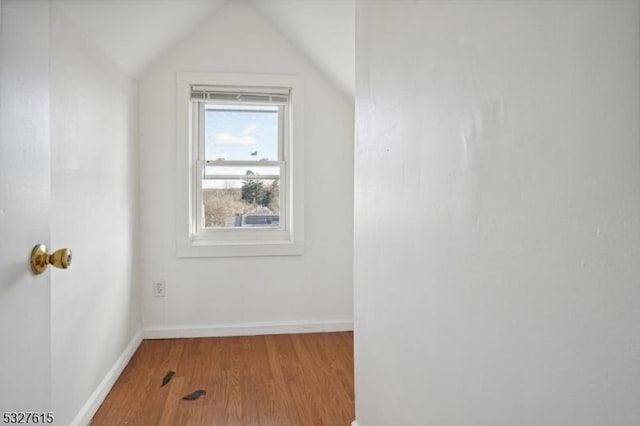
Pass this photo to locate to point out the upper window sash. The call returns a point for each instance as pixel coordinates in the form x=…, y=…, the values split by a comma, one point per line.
x=199, y=108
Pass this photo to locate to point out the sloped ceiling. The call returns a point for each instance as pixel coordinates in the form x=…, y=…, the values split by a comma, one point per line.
x=324, y=30
x=135, y=32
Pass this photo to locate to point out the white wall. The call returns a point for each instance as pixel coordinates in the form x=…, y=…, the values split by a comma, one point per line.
x=95, y=303
x=497, y=213
x=225, y=292
x=324, y=30
x=24, y=205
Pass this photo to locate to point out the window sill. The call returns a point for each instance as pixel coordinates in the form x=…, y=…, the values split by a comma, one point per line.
x=240, y=249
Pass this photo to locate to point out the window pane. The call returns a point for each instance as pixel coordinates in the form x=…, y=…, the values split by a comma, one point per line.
x=241, y=203
x=241, y=132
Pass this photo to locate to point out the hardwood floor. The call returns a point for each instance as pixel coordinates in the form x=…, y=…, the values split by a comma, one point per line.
x=278, y=380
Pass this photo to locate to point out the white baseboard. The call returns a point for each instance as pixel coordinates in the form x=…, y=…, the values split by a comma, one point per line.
x=248, y=329
x=354, y=423
x=96, y=399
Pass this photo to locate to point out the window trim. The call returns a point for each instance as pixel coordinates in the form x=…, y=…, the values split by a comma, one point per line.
x=254, y=242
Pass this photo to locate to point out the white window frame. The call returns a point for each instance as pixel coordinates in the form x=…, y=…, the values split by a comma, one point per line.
x=202, y=233
x=288, y=239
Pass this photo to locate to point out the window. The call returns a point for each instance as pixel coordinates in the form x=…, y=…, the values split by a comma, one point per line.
x=240, y=150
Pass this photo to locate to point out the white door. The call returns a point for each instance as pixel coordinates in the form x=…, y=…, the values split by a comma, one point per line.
x=24, y=206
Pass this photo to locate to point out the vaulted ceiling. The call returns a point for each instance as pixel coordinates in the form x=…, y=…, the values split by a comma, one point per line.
x=135, y=32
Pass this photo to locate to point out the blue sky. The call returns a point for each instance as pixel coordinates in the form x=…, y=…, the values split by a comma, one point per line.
x=235, y=135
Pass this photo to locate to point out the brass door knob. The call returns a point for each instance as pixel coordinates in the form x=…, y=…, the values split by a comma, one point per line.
x=40, y=259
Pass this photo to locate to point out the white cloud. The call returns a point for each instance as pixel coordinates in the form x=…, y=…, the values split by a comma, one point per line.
x=250, y=129
x=229, y=139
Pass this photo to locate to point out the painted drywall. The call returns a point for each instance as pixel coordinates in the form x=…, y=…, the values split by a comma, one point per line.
x=497, y=213
x=229, y=292
x=323, y=30
x=133, y=33
x=24, y=206
x=95, y=307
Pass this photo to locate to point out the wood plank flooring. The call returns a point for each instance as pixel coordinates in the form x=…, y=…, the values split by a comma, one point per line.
x=276, y=380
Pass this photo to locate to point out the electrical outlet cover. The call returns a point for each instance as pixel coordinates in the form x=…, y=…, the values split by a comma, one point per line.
x=159, y=288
